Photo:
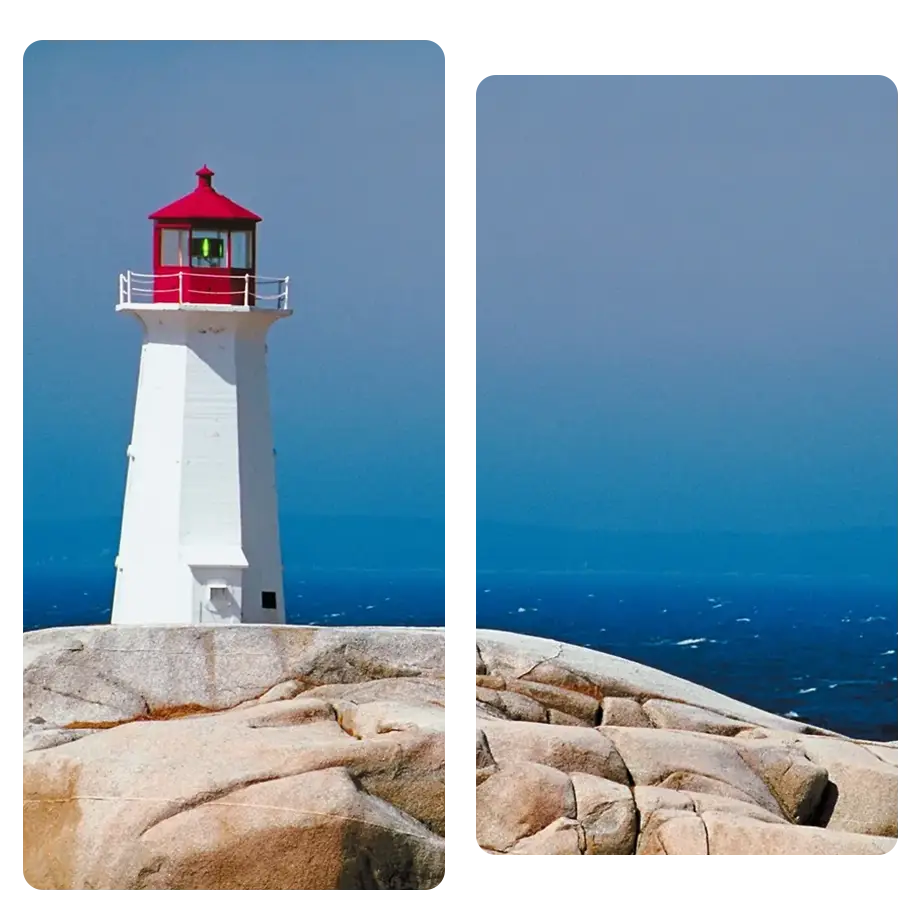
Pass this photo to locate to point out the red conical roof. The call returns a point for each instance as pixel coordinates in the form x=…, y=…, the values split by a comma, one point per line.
x=204, y=204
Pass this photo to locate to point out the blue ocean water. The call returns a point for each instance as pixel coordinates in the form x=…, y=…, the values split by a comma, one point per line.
x=827, y=653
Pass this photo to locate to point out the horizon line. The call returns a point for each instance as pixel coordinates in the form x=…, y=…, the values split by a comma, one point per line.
x=577, y=528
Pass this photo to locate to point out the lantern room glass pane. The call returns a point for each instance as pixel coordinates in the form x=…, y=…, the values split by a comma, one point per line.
x=241, y=249
x=173, y=247
x=209, y=248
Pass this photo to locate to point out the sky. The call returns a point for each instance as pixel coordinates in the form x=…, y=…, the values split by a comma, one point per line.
x=686, y=316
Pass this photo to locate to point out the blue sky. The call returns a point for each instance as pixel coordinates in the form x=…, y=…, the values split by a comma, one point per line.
x=686, y=314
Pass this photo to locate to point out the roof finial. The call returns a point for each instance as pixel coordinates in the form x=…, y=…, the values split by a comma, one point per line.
x=204, y=176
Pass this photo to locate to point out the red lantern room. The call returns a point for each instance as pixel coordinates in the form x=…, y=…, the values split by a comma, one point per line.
x=204, y=248
x=204, y=253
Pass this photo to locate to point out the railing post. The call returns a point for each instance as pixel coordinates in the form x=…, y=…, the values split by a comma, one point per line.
x=246, y=290
x=128, y=287
x=181, y=274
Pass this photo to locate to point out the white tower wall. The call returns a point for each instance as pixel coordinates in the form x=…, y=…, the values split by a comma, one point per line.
x=200, y=538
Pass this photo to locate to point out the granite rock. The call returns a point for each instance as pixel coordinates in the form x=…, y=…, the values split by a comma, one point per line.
x=233, y=757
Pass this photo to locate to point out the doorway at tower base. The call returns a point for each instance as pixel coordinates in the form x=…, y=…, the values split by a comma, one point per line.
x=217, y=594
x=226, y=590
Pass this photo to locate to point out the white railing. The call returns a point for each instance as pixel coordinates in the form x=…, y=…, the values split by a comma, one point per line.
x=256, y=291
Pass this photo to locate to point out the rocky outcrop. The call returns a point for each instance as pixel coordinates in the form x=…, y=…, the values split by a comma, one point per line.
x=294, y=757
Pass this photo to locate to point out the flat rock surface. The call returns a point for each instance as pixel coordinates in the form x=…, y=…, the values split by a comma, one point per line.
x=299, y=757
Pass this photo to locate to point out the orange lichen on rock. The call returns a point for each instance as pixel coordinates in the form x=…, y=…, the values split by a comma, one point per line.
x=160, y=714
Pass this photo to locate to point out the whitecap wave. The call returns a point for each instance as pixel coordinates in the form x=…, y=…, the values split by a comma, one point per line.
x=691, y=641
x=792, y=714
x=743, y=620
x=808, y=690
x=890, y=651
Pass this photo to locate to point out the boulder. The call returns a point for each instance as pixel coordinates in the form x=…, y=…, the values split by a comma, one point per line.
x=564, y=837
x=732, y=827
x=519, y=800
x=618, y=710
x=607, y=812
x=736, y=835
x=673, y=833
x=513, y=706
x=381, y=716
x=652, y=799
x=582, y=707
x=652, y=756
x=670, y=714
x=278, y=833
x=862, y=794
x=571, y=749
x=797, y=783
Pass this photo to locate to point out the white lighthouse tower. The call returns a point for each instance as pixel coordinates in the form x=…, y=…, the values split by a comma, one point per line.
x=199, y=537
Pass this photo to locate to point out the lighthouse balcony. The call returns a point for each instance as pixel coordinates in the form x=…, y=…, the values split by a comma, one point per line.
x=205, y=290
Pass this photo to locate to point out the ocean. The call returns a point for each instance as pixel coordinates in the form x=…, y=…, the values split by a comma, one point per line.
x=823, y=653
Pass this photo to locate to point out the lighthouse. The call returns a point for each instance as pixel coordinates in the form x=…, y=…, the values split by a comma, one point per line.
x=199, y=535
